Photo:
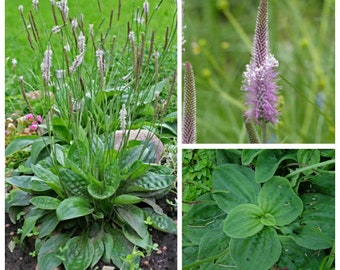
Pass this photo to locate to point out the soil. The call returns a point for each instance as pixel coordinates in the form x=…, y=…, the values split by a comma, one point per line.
x=164, y=258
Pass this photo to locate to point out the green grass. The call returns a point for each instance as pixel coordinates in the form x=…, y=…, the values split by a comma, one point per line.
x=218, y=45
x=17, y=45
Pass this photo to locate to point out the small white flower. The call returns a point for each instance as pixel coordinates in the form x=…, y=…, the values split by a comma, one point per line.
x=21, y=8
x=91, y=29
x=74, y=23
x=56, y=29
x=47, y=64
x=35, y=4
x=100, y=59
x=81, y=42
x=122, y=117
x=132, y=36
x=59, y=74
x=14, y=62
x=146, y=7
x=67, y=47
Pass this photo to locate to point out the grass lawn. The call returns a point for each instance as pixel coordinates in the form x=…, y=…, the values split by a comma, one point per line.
x=94, y=12
x=218, y=45
x=17, y=45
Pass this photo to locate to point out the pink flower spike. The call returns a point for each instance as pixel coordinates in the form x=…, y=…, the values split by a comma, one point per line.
x=260, y=77
x=29, y=116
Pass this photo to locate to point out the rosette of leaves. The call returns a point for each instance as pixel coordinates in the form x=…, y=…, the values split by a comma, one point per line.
x=263, y=220
x=87, y=201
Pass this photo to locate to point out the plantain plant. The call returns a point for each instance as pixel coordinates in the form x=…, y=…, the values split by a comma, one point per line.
x=272, y=209
x=88, y=188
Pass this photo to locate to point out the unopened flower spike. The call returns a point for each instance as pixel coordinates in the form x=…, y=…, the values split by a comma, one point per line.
x=261, y=75
x=189, y=110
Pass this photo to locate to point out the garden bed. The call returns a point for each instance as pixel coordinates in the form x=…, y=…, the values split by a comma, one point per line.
x=164, y=258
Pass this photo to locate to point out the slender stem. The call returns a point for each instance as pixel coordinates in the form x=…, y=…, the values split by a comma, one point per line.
x=264, y=132
x=314, y=166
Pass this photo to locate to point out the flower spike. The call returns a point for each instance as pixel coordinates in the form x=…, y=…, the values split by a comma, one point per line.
x=260, y=77
x=189, y=110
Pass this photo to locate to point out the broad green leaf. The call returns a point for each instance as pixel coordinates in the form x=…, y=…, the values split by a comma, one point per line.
x=38, y=146
x=60, y=129
x=278, y=198
x=108, y=247
x=31, y=184
x=73, y=207
x=23, y=182
x=117, y=247
x=268, y=220
x=17, y=197
x=134, y=217
x=248, y=155
x=99, y=190
x=74, y=183
x=151, y=182
x=307, y=157
x=268, y=161
x=45, y=202
x=327, y=153
x=48, y=178
x=30, y=220
x=189, y=254
x=325, y=183
x=19, y=143
x=203, y=216
x=126, y=199
x=152, y=202
x=260, y=251
x=317, y=223
x=106, y=188
x=79, y=154
x=78, y=253
x=227, y=156
x=233, y=185
x=39, y=185
x=212, y=243
x=48, y=224
x=161, y=222
x=243, y=221
x=47, y=256
x=99, y=249
x=293, y=257
x=137, y=169
x=143, y=242
x=145, y=153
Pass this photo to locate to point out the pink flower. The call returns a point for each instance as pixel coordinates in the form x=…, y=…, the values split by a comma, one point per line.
x=261, y=75
x=34, y=126
x=39, y=119
x=29, y=117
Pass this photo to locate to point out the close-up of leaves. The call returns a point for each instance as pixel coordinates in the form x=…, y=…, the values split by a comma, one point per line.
x=267, y=209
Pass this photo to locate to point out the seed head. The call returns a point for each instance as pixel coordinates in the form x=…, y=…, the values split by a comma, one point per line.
x=46, y=65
